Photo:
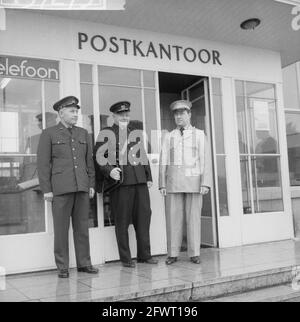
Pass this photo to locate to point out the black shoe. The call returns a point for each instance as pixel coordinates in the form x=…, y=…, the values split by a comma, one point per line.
x=63, y=273
x=171, y=260
x=195, y=260
x=148, y=261
x=130, y=264
x=88, y=269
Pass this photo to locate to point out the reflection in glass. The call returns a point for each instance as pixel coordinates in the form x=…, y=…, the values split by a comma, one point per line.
x=21, y=200
x=151, y=119
x=86, y=74
x=220, y=148
x=109, y=95
x=246, y=192
x=87, y=103
x=218, y=117
x=119, y=76
x=267, y=190
x=196, y=91
x=20, y=104
x=149, y=78
x=293, y=142
x=257, y=126
x=242, y=125
x=51, y=96
x=222, y=185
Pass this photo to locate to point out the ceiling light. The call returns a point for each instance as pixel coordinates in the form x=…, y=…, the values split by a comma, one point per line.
x=250, y=24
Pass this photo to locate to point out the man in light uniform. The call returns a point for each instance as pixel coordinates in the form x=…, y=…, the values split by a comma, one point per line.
x=184, y=177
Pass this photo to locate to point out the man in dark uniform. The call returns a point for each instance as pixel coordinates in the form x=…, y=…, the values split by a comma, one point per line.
x=67, y=179
x=126, y=173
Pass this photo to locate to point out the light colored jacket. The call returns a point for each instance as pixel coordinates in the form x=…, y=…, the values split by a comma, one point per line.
x=185, y=163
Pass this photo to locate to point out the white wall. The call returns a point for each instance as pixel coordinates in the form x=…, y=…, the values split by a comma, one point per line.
x=35, y=34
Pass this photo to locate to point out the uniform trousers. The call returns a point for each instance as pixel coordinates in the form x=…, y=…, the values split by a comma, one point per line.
x=73, y=205
x=183, y=208
x=131, y=204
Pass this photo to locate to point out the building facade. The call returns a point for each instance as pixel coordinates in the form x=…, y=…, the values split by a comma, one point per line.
x=237, y=96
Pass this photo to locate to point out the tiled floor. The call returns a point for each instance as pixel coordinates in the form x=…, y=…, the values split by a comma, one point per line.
x=115, y=282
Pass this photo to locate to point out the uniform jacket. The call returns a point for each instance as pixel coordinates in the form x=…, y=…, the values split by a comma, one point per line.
x=65, y=161
x=185, y=163
x=112, y=147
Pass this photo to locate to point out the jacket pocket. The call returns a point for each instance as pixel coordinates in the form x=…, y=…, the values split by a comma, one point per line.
x=58, y=142
x=57, y=171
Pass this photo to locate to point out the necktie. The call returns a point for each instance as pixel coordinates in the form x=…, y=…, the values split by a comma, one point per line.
x=181, y=130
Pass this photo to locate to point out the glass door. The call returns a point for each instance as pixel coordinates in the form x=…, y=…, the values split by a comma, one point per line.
x=25, y=228
x=139, y=87
x=265, y=216
x=198, y=94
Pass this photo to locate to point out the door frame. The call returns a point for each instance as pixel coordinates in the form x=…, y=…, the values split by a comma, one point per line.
x=209, y=126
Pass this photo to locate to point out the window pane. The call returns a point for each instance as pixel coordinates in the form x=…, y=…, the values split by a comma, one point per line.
x=87, y=110
x=198, y=114
x=267, y=189
x=246, y=189
x=263, y=123
x=222, y=185
x=87, y=105
x=216, y=86
x=51, y=96
x=22, y=98
x=242, y=124
x=108, y=95
x=21, y=200
x=119, y=76
x=293, y=142
x=196, y=91
x=257, y=124
x=86, y=73
x=149, y=78
x=291, y=92
x=260, y=90
x=219, y=131
x=151, y=120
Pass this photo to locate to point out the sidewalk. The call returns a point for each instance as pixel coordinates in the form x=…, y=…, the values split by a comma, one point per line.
x=223, y=271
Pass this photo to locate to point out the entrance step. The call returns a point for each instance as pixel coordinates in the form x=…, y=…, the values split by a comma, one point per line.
x=272, y=284
x=282, y=293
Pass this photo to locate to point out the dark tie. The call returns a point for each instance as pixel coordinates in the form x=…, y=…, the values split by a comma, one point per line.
x=181, y=130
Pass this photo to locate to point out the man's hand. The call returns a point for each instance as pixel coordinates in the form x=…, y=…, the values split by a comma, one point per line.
x=149, y=184
x=91, y=193
x=48, y=196
x=163, y=192
x=115, y=174
x=204, y=190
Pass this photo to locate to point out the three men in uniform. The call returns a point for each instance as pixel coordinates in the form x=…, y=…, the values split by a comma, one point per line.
x=67, y=179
